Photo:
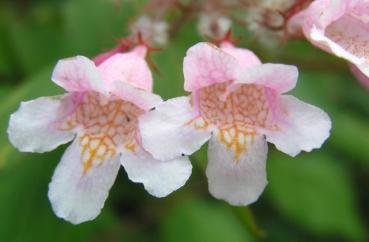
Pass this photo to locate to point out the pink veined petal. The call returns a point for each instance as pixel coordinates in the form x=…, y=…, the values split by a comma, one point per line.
x=140, y=97
x=321, y=13
x=78, y=197
x=279, y=77
x=172, y=129
x=78, y=74
x=206, y=64
x=106, y=55
x=361, y=10
x=302, y=127
x=340, y=28
x=160, y=178
x=34, y=127
x=237, y=182
x=129, y=67
x=338, y=39
x=245, y=57
x=364, y=80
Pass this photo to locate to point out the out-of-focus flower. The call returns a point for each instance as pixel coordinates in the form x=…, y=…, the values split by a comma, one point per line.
x=236, y=102
x=100, y=113
x=265, y=20
x=265, y=25
x=153, y=31
x=213, y=25
x=277, y=5
x=340, y=27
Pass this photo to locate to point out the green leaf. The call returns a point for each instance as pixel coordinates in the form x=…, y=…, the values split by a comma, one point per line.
x=314, y=190
x=91, y=25
x=169, y=82
x=4, y=90
x=36, y=38
x=38, y=85
x=202, y=221
x=25, y=210
x=7, y=58
x=24, y=178
x=334, y=93
x=50, y=31
x=350, y=135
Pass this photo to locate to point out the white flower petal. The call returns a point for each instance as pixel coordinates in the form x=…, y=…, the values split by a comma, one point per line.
x=34, y=127
x=130, y=67
x=160, y=178
x=237, y=182
x=78, y=197
x=320, y=37
x=246, y=58
x=205, y=64
x=78, y=74
x=140, y=97
x=166, y=132
x=279, y=77
x=304, y=127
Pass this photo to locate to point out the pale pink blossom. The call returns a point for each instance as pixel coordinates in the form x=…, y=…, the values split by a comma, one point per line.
x=213, y=25
x=264, y=18
x=340, y=27
x=237, y=104
x=100, y=113
x=153, y=31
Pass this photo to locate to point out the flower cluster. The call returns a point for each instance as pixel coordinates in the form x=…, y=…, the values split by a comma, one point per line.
x=114, y=119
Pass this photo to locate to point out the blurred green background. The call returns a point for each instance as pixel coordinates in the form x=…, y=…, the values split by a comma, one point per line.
x=317, y=196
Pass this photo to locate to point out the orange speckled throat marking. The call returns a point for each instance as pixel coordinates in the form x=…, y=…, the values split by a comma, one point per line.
x=105, y=128
x=237, y=115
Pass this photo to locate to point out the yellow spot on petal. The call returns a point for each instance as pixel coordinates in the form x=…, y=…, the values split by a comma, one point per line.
x=131, y=147
x=236, y=140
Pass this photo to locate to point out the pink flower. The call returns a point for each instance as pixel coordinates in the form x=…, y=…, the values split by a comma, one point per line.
x=237, y=103
x=100, y=113
x=153, y=31
x=363, y=79
x=340, y=27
